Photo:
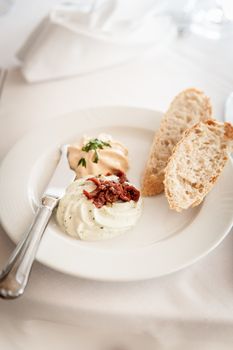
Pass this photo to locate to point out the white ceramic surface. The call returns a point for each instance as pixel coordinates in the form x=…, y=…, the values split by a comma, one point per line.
x=228, y=115
x=164, y=241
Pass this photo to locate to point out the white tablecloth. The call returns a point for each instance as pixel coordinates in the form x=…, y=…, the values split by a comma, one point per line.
x=191, y=309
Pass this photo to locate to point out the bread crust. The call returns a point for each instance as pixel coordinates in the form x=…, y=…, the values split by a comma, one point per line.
x=224, y=132
x=188, y=107
x=228, y=131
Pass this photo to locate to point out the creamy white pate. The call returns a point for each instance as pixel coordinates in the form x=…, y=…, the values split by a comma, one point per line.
x=80, y=218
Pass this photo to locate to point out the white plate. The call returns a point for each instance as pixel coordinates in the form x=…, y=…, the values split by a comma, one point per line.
x=164, y=241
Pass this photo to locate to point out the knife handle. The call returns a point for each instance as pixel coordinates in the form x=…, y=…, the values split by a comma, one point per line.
x=14, y=276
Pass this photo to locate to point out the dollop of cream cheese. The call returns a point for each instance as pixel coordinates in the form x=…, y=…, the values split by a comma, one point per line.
x=80, y=218
x=110, y=158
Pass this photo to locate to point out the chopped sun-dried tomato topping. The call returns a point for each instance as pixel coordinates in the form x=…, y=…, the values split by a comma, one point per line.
x=107, y=191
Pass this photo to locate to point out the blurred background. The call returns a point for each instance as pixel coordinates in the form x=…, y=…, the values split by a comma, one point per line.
x=210, y=19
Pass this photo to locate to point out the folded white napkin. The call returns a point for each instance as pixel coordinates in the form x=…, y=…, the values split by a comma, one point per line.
x=78, y=39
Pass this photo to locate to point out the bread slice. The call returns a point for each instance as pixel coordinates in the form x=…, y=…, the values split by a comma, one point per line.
x=196, y=163
x=186, y=110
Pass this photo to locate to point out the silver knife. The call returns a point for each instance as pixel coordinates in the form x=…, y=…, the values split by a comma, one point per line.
x=14, y=276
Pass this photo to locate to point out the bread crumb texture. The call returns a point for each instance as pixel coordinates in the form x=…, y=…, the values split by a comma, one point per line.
x=187, y=109
x=196, y=163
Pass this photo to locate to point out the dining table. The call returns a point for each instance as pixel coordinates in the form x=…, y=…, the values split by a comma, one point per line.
x=189, y=309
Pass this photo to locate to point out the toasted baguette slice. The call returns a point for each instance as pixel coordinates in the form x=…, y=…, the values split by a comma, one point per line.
x=196, y=163
x=187, y=109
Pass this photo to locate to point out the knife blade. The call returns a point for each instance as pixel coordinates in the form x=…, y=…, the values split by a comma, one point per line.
x=61, y=177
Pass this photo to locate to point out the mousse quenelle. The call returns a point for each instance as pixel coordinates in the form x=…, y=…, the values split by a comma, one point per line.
x=98, y=156
x=99, y=207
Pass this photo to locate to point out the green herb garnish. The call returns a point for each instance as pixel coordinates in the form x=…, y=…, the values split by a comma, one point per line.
x=93, y=145
x=82, y=161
